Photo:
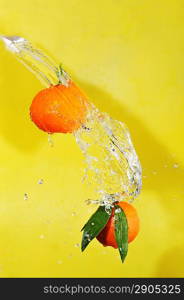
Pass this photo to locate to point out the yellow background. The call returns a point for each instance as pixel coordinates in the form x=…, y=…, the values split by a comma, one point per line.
x=128, y=57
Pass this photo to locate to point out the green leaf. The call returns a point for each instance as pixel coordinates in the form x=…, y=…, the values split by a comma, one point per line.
x=121, y=232
x=59, y=73
x=95, y=225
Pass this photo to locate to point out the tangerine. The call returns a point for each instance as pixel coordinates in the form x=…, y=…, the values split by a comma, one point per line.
x=59, y=108
x=107, y=235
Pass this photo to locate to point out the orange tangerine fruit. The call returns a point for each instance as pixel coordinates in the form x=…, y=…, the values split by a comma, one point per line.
x=59, y=108
x=107, y=235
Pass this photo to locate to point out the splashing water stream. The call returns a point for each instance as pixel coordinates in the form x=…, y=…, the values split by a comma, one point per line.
x=112, y=165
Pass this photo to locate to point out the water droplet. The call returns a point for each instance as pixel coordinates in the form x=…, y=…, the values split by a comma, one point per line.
x=107, y=209
x=77, y=245
x=42, y=236
x=85, y=128
x=92, y=224
x=59, y=262
x=175, y=166
x=50, y=140
x=25, y=196
x=118, y=210
x=73, y=214
x=40, y=181
x=154, y=172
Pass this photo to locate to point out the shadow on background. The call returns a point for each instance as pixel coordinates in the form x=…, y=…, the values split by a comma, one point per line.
x=171, y=263
x=15, y=124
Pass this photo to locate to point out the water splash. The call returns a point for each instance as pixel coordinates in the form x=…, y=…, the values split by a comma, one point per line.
x=44, y=67
x=112, y=164
x=113, y=167
x=50, y=140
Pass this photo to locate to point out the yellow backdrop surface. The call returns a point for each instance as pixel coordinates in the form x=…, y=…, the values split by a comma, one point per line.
x=128, y=57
